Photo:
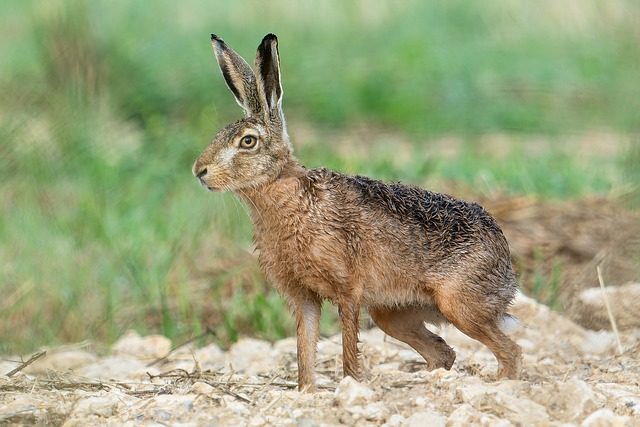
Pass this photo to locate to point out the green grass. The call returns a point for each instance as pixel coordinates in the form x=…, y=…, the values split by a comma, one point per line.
x=105, y=105
x=545, y=281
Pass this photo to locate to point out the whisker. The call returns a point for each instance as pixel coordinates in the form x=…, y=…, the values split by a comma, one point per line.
x=244, y=207
x=236, y=203
x=251, y=201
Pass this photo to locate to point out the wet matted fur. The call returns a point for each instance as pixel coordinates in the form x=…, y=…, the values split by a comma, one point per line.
x=409, y=255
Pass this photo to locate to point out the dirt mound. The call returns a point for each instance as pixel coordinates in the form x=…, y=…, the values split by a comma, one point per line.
x=572, y=376
x=556, y=247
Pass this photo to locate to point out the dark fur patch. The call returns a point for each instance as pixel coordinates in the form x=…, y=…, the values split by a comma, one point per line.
x=436, y=211
x=269, y=68
x=228, y=78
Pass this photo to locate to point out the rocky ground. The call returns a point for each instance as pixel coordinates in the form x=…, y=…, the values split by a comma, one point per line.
x=572, y=376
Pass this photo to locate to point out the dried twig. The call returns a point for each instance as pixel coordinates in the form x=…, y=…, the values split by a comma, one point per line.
x=236, y=395
x=259, y=386
x=25, y=364
x=609, y=312
x=45, y=384
x=174, y=373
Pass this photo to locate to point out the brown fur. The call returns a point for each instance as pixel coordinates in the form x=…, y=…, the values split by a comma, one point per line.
x=407, y=254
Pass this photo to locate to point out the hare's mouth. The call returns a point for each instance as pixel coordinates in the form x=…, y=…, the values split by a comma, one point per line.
x=207, y=185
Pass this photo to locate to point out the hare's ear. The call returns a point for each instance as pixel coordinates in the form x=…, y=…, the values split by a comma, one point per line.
x=238, y=75
x=268, y=74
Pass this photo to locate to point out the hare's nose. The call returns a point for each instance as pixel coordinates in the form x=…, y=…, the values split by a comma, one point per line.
x=199, y=170
x=202, y=172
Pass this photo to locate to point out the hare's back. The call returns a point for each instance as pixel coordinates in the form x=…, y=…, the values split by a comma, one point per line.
x=400, y=209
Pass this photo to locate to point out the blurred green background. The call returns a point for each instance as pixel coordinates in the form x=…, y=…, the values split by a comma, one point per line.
x=106, y=104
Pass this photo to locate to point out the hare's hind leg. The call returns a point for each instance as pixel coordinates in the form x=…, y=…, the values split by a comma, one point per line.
x=506, y=351
x=471, y=319
x=407, y=325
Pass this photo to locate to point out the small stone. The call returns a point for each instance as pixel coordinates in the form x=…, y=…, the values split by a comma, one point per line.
x=374, y=337
x=202, y=388
x=590, y=309
x=257, y=421
x=625, y=396
x=115, y=368
x=426, y=418
x=517, y=409
x=441, y=374
x=574, y=398
x=252, y=356
x=286, y=345
x=350, y=392
x=149, y=347
x=61, y=361
x=476, y=388
x=102, y=406
x=327, y=348
x=395, y=420
x=372, y=412
x=25, y=410
x=604, y=418
x=598, y=342
x=236, y=406
x=209, y=357
x=466, y=415
x=167, y=407
x=286, y=421
x=161, y=415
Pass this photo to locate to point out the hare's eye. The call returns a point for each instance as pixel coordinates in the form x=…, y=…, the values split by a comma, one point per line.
x=248, y=141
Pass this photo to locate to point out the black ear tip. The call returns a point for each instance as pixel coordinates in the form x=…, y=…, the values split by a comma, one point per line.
x=216, y=38
x=269, y=37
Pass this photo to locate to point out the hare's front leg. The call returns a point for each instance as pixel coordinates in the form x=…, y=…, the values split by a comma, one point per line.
x=349, y=312
x=306, y=307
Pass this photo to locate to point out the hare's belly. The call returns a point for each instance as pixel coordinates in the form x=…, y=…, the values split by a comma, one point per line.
x=325, y=268
x=395, y=290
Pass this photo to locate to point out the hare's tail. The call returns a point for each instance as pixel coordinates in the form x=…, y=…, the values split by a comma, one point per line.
x=508, y=323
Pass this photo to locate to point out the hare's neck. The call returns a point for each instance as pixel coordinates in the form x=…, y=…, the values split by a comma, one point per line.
x=275, y=199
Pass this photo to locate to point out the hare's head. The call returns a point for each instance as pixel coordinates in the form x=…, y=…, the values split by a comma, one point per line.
x=252, y=150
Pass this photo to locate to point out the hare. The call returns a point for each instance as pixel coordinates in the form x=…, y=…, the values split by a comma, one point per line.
x=408, y=255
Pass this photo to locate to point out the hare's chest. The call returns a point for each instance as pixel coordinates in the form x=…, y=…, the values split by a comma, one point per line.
x=302, y=257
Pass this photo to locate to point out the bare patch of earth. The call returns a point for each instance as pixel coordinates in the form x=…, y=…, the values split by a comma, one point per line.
x=572, y=376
